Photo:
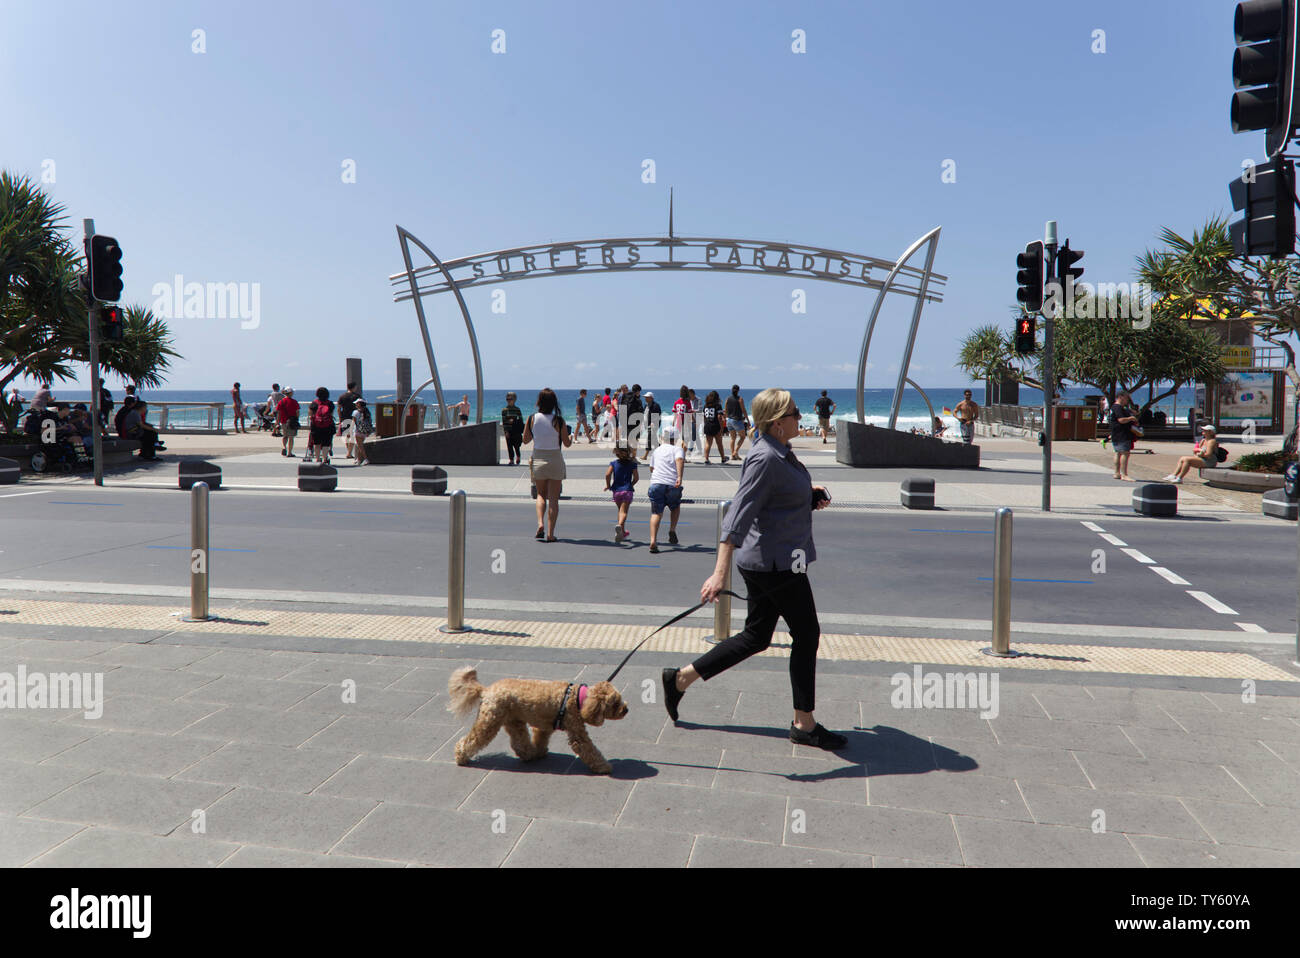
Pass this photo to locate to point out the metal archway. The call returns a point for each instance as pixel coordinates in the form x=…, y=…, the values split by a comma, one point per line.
x=683, y=254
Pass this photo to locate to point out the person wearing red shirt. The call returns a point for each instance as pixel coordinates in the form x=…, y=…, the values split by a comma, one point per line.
x=286, y=413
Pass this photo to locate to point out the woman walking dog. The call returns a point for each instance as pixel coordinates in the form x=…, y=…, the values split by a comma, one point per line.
x=769, y=531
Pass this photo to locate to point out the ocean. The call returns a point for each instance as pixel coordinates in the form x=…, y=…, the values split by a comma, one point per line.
x=911, y=413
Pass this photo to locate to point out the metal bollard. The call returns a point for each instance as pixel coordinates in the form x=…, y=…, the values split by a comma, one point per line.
x=722, y=608
x=200, y=554
x=456, y=566
x=1002, y=587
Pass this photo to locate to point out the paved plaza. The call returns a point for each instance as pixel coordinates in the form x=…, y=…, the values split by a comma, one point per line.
x=307, y=724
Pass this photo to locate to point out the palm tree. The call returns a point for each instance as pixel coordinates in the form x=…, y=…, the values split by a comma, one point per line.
x=989, y=352
x=43, y=309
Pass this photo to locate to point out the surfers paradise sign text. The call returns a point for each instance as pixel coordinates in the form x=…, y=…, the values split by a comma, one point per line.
x=747, y=256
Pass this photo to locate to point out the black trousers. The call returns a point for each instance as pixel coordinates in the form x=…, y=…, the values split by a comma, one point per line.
x=772, y=596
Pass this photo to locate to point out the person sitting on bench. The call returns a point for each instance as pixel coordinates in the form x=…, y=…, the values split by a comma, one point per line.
x=134, y=426
x=1204, y=456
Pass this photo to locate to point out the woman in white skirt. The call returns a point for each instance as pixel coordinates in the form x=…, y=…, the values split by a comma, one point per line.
x=546, y=430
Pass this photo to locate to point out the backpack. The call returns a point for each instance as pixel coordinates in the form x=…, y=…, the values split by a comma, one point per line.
x=1221, y=454
x=323, y=414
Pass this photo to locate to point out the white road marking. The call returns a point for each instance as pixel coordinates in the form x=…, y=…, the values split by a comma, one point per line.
x=1169, y=576
x=1093, y=527
x=15, y=495
x=1139, y=556
x=1112, y=540
x=1212, y=602
x=1250, y=627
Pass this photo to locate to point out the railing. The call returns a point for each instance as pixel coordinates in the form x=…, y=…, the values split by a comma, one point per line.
x=1023, y=417
x=190, y=415
x=1269, y=357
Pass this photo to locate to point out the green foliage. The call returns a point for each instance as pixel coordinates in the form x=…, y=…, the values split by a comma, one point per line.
x=43, y=310
x=1274, y=461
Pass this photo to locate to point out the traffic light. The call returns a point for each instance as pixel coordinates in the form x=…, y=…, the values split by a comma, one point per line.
x=1264, y=70
x=105, y=268
x=1026, y=334
x=112, y=323
x=1030, y=277
x=1266, y=193
x=1066, y=271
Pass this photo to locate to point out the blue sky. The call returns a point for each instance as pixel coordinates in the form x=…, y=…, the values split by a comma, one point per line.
x=227, y=166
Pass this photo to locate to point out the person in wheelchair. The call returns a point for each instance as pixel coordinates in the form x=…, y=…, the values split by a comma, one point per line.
x=61, y=444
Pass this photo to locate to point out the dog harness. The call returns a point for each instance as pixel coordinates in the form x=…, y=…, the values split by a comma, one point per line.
x=564, y=703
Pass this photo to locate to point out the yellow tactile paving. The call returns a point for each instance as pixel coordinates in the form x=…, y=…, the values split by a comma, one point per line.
x=572, y=635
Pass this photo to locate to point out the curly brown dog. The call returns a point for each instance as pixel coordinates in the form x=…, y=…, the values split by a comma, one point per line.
x=520, y=703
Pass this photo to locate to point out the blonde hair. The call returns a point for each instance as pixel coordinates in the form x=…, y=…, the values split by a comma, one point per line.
x=768, y=407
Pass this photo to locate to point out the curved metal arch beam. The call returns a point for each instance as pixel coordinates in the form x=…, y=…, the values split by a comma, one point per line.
x=932, y=238
x=910, y=383
x=401, y=422
x=404, y=236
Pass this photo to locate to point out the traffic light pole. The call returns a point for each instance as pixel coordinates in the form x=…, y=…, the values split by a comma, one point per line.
x=1049, y=394
x=95, y=431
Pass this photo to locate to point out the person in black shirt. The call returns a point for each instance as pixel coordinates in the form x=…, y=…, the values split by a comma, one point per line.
x=347, y=403
x=1122, y=416
x=653, y=414
x=737, y=421
x=633, y=412
x=512, y=423
x=712, y=413
x=825, y=407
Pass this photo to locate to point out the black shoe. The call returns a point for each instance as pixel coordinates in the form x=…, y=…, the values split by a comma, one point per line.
x=671, y=695
x=654, y=549
x=818, y=738
x=672, y=538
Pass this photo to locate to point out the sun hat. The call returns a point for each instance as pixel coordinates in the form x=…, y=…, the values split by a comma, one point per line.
x=1208, y=428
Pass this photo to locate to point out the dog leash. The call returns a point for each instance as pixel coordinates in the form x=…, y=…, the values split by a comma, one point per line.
x=677, y=618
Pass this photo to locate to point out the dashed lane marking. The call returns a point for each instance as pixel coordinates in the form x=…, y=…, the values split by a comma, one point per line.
x=1147, y=560
x=1212, y=602
x=1164, y=573
x=1250, y=627
x=1113, y=540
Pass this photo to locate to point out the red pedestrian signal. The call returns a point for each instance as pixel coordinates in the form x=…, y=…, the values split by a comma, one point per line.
x=1026, y=335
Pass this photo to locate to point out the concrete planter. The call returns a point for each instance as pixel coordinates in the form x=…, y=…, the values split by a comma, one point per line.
x=1224, y=478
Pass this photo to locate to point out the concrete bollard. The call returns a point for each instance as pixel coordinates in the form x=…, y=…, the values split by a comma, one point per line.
x=317, y=478
x=917, y=493
x=428, y=481
x=1156, y=499
x=1275, y=503
x=191, y=471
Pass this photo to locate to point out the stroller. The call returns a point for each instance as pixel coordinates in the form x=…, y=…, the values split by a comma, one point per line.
x=264, y=417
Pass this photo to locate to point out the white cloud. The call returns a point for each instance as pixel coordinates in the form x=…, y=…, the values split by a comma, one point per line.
x=581, y=366
x=749, y=368
x=800, y=367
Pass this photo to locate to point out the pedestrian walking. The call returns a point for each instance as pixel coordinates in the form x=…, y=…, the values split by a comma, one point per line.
x=694, y=415
x=653, y=416
x=825, y=407
x=237, y=402
x=667, y=468
x=322, y=426
x=462, y=409
x=737, y=421
x=547, y=431
x=272, y=404
x=286, y=414
x=967, y=412
x=1123, y=423
x=347, y=405
x=768, y=531
x=681, y=414
x=620, y=477
x=712, y=416
x=362, y=427
x=512, y=424
x=633, y=414
x=583, y=427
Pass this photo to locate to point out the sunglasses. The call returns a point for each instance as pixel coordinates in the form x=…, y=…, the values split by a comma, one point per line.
x=792, y=412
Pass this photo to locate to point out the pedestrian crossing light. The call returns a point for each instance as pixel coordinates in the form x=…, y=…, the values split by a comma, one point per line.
x=1266, y=194
x=1026, y=335
x=1030, y=277
x=112, y=323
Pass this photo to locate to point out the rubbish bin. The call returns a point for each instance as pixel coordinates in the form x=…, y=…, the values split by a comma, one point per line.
x=386, y=419
x=1066, y=425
